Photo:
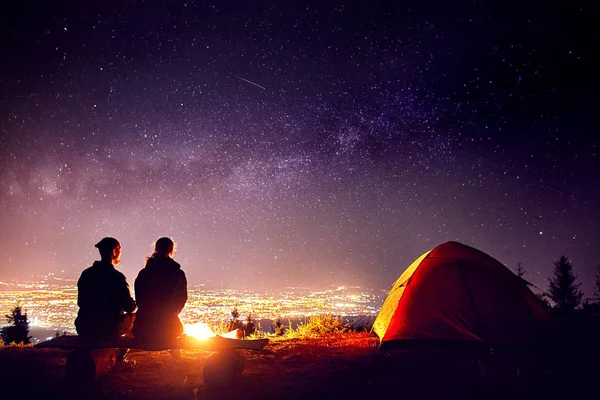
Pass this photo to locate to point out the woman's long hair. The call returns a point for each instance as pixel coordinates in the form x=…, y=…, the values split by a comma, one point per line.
x=163, y=248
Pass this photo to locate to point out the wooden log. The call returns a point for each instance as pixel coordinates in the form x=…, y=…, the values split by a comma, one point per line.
x=84, y=365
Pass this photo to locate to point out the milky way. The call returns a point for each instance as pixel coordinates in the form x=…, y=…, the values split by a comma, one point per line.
x=298, y=145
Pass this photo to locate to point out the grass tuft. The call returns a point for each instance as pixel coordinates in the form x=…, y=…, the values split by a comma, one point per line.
x=19, y=345
x=319, y=325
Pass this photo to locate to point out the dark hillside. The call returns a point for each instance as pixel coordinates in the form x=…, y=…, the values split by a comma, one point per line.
x=345, y=366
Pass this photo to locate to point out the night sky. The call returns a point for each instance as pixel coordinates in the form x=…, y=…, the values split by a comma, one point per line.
x=298, y=143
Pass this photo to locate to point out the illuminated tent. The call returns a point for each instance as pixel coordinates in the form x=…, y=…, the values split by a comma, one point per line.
x=457, y=294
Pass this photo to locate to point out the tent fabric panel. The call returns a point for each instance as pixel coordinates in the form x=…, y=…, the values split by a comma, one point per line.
x=408, y=273
x=382, y=323
x=390, y=304
x=434, y=306
x=508, y=311
x=455, y=250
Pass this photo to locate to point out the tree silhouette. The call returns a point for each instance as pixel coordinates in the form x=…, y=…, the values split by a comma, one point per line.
x=250, y=326
x=591, y=306
x=234, y=323
x=279, y=328
x=563, y=290
x=597, y=285
x=520, y=270
x=18, y=331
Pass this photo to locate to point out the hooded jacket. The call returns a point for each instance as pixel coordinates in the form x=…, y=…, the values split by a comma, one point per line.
x=161, y=293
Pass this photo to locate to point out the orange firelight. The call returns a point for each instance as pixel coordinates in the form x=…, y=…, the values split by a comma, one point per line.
x=198, y=330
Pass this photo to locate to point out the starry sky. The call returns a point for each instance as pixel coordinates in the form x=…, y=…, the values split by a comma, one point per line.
x=307, y=143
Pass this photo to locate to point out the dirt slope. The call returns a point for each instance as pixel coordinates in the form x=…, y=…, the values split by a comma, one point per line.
x=347, y=366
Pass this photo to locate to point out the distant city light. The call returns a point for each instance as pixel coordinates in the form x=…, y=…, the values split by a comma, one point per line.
x=54, y=309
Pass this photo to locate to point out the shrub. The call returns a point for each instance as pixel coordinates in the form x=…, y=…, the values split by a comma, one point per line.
x=279, y=327
x=319, y=325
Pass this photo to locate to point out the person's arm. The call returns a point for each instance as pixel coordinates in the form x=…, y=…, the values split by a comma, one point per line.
x=130, y=304
x=181, y=295
x=140, y=285
x=127, y=302
x=82, y=290
x=79, y=295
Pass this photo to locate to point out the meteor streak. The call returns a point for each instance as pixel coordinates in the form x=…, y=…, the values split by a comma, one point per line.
x=255, y=84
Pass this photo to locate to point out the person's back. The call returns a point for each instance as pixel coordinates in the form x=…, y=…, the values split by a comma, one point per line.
x=161, y=294
x=103, y=296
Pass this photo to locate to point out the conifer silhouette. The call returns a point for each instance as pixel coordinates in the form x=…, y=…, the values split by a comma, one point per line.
x=562, y=287
x=597, y=285
x=18, y=330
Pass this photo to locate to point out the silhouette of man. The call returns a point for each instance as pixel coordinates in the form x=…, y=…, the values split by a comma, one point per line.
x=105, y=303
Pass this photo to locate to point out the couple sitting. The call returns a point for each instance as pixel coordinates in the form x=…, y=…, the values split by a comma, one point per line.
x=106, y=308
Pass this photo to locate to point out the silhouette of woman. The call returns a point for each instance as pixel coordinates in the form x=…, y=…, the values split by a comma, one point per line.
x=161, y=293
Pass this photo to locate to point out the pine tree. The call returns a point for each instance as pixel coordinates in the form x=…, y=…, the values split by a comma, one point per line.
x=18, y=330
x=520, y=270
x=563, y=290
x=597, y=285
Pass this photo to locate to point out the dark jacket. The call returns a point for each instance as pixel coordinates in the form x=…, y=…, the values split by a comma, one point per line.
x=103, y=296
x=161, y=293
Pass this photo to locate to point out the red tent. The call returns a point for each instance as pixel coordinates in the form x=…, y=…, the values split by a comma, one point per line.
x=455, y=293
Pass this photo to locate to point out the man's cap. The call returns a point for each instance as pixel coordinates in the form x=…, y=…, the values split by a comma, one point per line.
x=107, y=243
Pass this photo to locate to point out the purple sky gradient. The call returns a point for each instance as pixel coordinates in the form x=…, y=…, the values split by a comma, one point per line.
x=298, y=145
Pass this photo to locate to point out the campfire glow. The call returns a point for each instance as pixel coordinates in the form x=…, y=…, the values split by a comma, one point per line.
x=198, y=330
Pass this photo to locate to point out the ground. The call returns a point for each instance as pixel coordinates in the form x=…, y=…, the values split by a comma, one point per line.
x=345, y=366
